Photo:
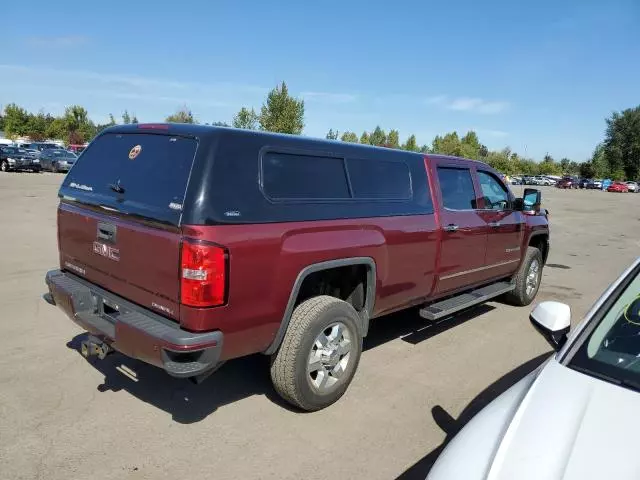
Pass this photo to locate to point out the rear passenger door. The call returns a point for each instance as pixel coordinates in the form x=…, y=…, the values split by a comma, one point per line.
x=505, y=226
x=464, y=231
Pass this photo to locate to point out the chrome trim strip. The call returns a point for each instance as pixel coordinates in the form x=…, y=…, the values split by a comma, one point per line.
x=479, y=269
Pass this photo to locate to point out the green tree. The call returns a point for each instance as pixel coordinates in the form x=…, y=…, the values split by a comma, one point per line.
x=331, y=135
x=126, y=118
x=56, y=129
x=219, y=124
x=483, y=151
x=564, y=164
x=378, y=137
x=350, y=137
x=182, y=115
x=586, y=170
x=501, y=161
x=470, y=145
x=245, y=118
x=448, y=145
x=393, y=139
x=134, y=119
x=77, y=125
x=281, y=112
x=16, y=120
x=37, y=127
x=549, y=166
x=365, y=139
x=411, y=144
x=599, y=163
x=425, y=149
x=112, y=120
x=622, y=143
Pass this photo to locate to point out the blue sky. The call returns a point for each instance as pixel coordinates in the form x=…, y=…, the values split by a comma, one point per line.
x=536, y=76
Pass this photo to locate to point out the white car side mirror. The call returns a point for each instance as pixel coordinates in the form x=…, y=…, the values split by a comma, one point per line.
x=553, y=321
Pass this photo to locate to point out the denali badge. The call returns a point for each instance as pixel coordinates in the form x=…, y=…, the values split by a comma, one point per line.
x=106, y=251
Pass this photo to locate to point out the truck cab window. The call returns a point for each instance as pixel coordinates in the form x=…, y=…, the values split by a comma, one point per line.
x=495, y=194
x=457, y=188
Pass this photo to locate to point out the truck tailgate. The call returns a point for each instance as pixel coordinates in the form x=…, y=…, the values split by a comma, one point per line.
x=134, y=260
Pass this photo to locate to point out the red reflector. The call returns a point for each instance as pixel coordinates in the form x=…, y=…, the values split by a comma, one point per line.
x=154, y=126
x=202, y=275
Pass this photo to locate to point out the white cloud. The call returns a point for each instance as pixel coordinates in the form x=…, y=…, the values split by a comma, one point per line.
x=436, y=100
x=468, y=104
x=479, y=105
x=327, y=97
x=61, y=41
x=493, y=133
x=130, y=87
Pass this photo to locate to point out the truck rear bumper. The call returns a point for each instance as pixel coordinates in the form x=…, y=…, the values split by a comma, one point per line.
x=133, y=330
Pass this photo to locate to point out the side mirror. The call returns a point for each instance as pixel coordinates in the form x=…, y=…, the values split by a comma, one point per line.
x=553, y=321
x=532, y=199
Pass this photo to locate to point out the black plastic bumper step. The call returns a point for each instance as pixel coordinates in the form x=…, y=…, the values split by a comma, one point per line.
x=451, y=305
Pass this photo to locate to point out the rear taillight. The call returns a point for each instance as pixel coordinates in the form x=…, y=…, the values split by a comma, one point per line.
x=202, y=274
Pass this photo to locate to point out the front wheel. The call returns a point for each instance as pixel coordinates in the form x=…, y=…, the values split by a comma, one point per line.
x=527, y=279
x=319, y=354
x=4, y=166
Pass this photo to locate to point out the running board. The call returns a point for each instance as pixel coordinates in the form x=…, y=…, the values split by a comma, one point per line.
x=451, y=305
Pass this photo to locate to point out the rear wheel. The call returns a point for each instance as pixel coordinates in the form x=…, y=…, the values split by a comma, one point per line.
x=319, y=354
x=527, y=279
x=54, y=167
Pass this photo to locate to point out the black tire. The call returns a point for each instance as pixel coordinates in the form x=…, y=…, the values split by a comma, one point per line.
x=54, y=167
x=520, y=296
x=4, y=166
x=289, y=365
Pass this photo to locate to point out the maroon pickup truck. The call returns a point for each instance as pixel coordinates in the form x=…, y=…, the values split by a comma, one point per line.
x=185, y=246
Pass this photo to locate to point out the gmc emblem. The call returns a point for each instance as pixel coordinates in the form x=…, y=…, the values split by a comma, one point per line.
x=106, y=251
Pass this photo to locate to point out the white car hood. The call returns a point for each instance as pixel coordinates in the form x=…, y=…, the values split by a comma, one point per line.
x=571, y=426
x=567, y=426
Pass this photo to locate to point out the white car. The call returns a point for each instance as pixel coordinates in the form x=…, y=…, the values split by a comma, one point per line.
x=576, y=416
x=633, y=186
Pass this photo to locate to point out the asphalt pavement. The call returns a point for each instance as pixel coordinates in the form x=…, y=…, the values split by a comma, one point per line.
x=62, y=417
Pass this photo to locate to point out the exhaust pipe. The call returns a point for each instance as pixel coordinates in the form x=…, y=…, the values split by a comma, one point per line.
x=94, y=347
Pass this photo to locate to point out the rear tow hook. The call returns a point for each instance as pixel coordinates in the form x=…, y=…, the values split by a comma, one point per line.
x=93, y=347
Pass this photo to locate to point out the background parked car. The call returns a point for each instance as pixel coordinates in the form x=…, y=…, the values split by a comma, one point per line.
x=633, y=187
x=516, y=180
x=77, y=149
x=619, y=187
x=41, y=146
x=594, y=184
x=57, y=160
x=568, y=182
x=584, y=182
x=606, y=183
x=15, y=158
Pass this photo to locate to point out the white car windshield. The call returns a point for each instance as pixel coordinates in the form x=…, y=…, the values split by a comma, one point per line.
x=612, y=349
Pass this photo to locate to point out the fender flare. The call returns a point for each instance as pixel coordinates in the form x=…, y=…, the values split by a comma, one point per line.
x=539, y=234
x=365, y=314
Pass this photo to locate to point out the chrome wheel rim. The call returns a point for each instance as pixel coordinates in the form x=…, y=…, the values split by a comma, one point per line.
x=532, y=277
x=329, y=357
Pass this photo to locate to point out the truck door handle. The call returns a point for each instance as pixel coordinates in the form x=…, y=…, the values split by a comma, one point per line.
x=494, y=224
x=451, y=228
